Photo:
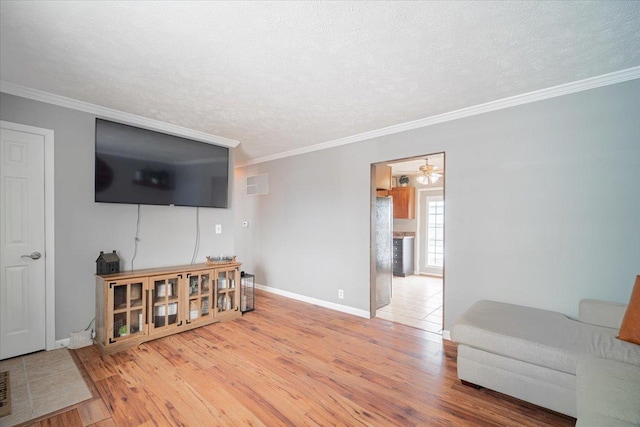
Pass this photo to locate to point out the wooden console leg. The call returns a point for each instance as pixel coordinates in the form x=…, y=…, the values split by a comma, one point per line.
x=472, y=385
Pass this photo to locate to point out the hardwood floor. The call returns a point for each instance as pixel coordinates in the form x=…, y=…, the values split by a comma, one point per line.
x=291, y=363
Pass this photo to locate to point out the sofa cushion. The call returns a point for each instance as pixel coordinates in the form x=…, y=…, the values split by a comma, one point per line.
x=541, y=337
x=607, y=392
x=630, y=328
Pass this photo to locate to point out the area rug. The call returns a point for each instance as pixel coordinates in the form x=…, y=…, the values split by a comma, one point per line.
x=43, y=383
x=5, y=394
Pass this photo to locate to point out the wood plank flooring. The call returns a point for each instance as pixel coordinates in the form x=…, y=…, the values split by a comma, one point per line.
x=292, y=364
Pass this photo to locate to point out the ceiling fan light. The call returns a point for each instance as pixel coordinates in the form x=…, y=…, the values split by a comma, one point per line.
x=434, y=178
x=423, y=179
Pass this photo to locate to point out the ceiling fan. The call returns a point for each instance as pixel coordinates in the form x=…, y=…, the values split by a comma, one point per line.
x=430, y=174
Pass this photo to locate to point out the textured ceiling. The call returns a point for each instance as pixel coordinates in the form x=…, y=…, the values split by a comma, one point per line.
x=278, y=76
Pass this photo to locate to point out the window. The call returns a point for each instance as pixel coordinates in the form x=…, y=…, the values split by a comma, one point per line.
x=435, y=233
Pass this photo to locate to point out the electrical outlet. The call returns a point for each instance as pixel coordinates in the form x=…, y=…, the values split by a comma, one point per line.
x=340, y=293
x=218, y=228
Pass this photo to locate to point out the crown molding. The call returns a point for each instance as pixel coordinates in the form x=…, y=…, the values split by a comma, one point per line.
x=109, y=113
x=538, y=95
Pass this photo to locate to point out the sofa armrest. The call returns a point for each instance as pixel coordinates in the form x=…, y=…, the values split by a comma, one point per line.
x=601, y=313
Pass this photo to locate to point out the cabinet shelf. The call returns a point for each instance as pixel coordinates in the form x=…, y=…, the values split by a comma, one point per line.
x=123, y=307
x=203, y=294
x=163, y=300
x=164, y=303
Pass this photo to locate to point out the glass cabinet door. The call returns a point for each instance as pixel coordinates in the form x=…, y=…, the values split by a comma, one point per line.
x=127, y=309
x=226, y=291
x=165, y=297
x=200, y=294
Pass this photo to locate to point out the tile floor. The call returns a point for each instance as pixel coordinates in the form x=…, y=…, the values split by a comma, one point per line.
x=416, y=301
x=42, y=383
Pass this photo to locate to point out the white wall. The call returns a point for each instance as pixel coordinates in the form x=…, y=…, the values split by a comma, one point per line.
x=558, y=221
x=83, y=228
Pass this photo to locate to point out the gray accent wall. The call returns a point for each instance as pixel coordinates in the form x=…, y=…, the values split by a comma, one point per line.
x=83, y=228
x=542, y=207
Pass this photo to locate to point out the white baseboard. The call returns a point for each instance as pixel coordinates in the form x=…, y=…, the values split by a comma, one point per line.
x=326, y=304
x=446, y=335
x=62, y=343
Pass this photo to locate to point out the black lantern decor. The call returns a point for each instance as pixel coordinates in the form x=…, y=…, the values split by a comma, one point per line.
x=247, y=292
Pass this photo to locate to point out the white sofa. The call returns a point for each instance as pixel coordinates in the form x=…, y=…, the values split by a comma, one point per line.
x=572, y=366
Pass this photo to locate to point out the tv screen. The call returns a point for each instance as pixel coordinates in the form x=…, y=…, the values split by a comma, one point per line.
x=140, y=166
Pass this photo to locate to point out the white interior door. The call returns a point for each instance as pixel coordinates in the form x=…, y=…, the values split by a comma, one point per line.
x=22, y=238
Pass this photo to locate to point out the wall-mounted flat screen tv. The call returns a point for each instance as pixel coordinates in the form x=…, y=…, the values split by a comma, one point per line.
x=140, y=166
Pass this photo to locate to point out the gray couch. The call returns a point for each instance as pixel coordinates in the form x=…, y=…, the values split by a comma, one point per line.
x=575, y=367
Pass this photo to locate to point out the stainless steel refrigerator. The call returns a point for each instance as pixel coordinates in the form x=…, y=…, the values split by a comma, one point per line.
x=384, y=245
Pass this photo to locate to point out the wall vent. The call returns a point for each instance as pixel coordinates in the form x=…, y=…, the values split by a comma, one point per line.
x=258, y=185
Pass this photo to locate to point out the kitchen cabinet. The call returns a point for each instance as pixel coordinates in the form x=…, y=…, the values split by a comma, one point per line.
x=141, y=305
x=383, y=177
x=404, y=202
x=403, y=256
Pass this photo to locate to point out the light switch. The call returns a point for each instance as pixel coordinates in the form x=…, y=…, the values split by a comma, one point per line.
x=218, y=228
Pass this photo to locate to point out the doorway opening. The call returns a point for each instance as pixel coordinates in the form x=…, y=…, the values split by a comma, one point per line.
x=415, y=235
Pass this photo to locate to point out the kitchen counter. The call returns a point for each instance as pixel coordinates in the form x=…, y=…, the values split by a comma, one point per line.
x=403, y=234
